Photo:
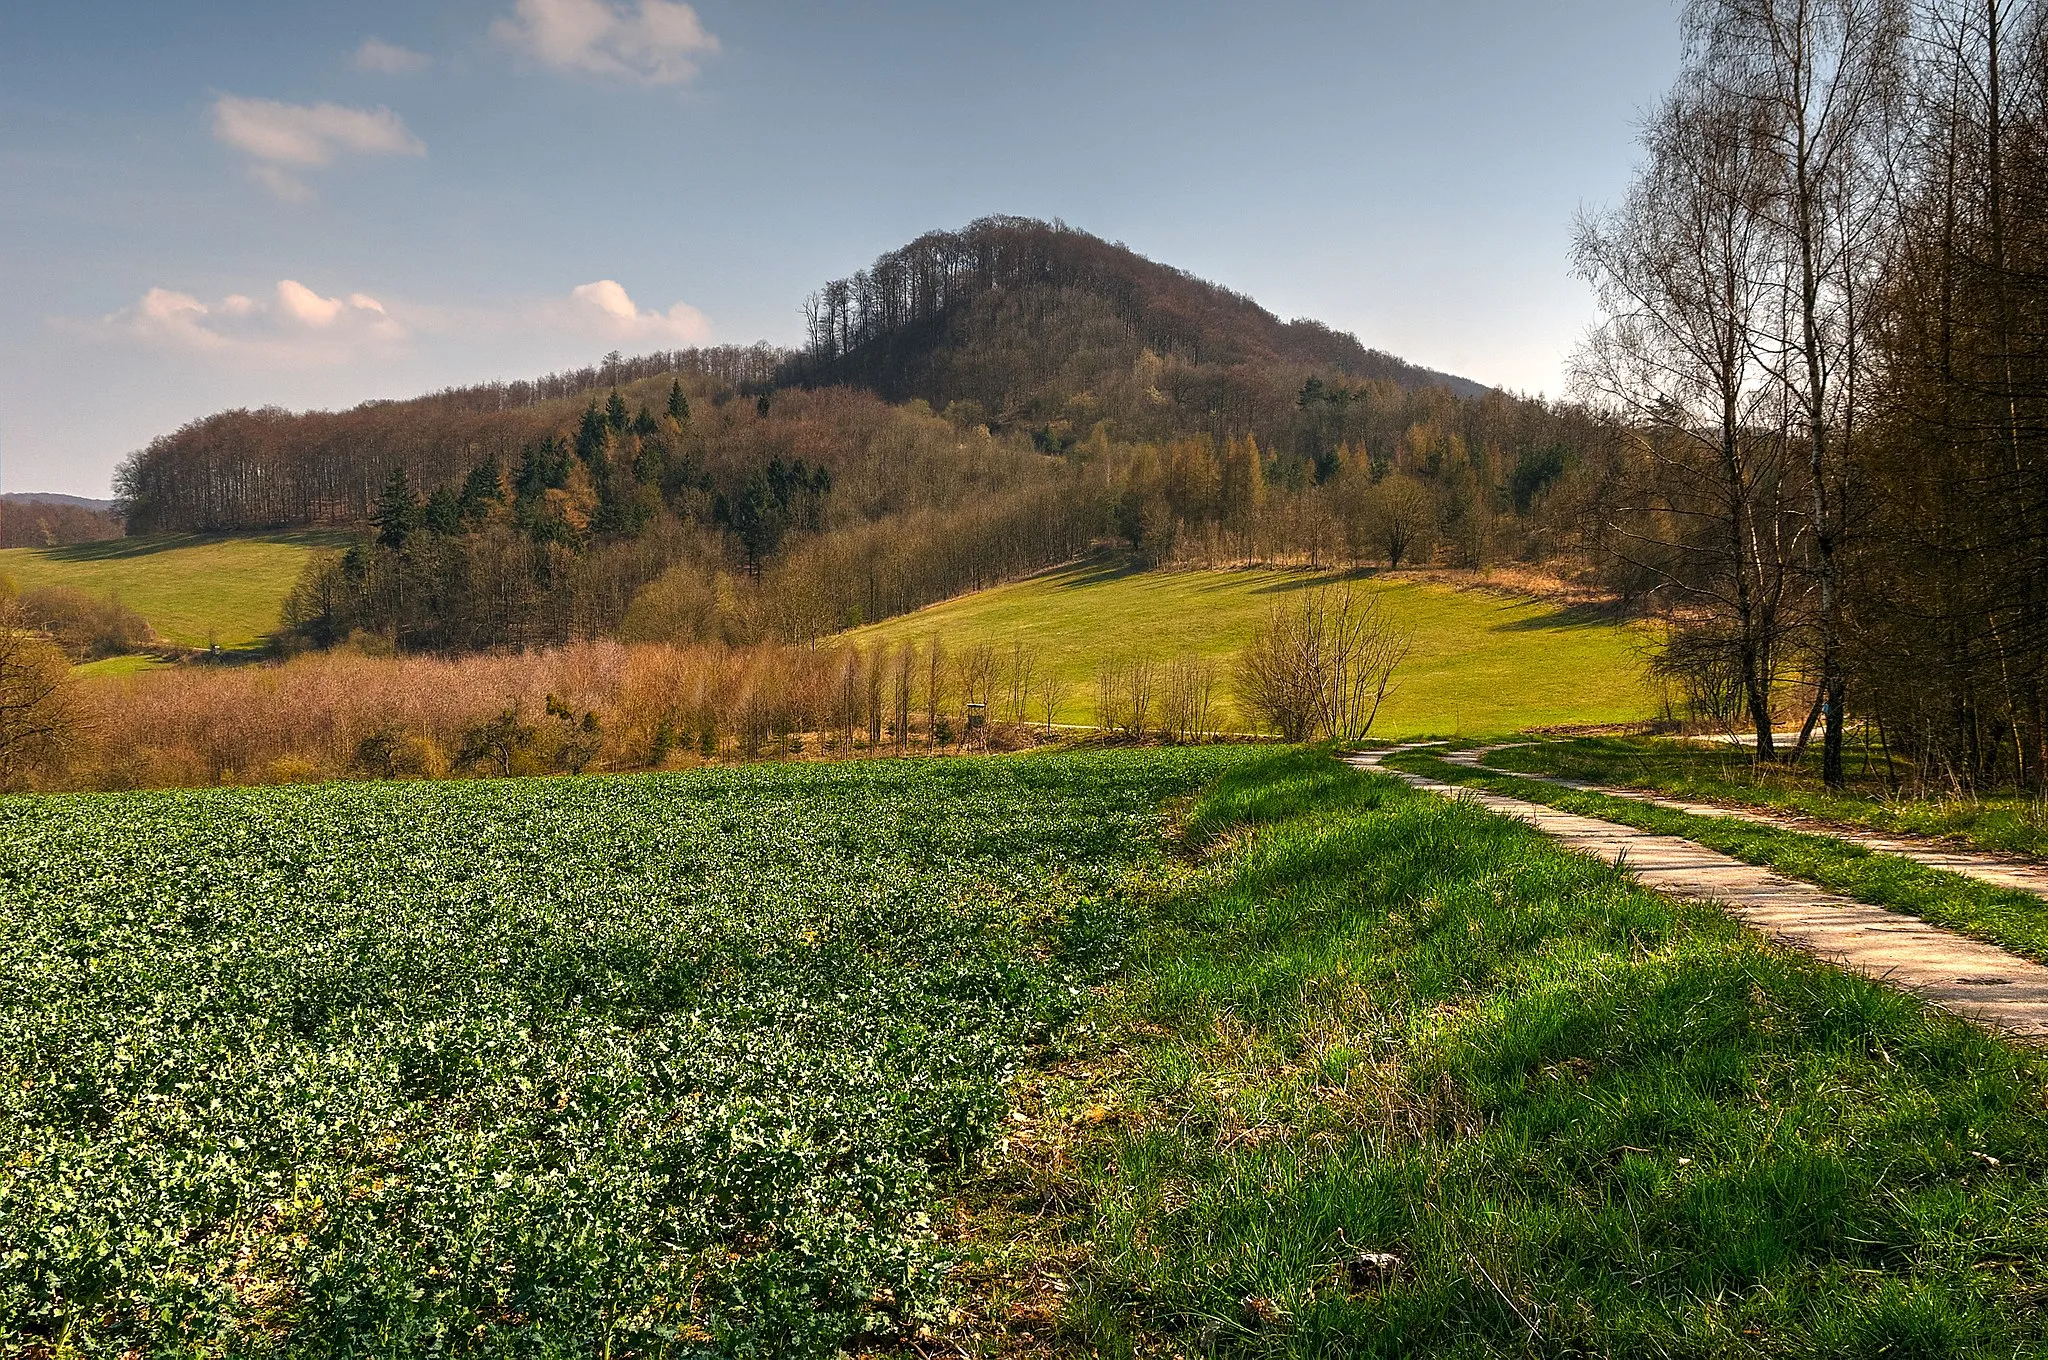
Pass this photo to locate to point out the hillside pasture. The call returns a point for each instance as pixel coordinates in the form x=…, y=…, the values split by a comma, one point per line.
x=1483, y=662
x=194, y=590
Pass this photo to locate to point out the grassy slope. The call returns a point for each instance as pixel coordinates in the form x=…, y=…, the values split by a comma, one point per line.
x=193, y=590
x=1588, y=1120
x=2014, y=825
x=1481, y=663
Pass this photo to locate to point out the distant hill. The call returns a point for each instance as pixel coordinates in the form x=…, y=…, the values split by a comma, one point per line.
x=41, y=519
x=1033, y=322
x=57, y=498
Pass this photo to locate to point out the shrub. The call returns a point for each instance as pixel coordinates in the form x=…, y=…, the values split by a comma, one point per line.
x=38, y=717
x=392, y=752
x=1321, y=665
x=87, y=626
x=498, y=745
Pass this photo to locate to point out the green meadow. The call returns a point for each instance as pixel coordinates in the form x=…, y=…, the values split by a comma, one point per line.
x=1481, y=663
x=195, y=591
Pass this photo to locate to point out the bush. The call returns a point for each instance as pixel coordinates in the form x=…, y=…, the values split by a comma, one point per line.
x=1322, y=665
x=392, y=752
x=37, y=717
x=87, y=626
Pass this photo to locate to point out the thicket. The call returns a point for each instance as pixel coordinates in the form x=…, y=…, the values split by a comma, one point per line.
x=586, y=706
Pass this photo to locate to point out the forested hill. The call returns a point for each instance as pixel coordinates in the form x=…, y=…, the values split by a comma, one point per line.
x=978, y=405
x=1040, y=325
x=1028, y=329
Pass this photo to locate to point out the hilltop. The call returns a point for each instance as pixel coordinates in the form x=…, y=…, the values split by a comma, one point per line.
x=1024, y=321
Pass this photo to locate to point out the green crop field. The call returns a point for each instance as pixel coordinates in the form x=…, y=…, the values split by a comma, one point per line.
x=194, y=591
x=597, y=1063
x=1202, y=1051
x=1482, y=663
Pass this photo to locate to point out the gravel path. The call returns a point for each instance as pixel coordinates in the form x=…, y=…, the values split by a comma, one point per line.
x=1977, y=981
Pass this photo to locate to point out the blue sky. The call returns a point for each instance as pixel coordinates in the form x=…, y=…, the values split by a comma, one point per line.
x=214, y=204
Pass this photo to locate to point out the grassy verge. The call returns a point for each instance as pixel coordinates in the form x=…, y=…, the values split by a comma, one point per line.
x=2003, y=916
x=2011, y=825
x=1385, y=1075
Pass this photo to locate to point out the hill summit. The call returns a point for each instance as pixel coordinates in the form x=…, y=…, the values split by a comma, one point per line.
x=1030, y=322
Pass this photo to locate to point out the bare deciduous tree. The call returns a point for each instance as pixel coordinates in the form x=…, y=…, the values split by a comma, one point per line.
x=1687, y=274
x=1321, y=664
x=37, y=719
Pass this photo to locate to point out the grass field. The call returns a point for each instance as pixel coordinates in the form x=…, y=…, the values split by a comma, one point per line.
x=1387, y=1076
x=1227, y=1051
x=194, y=591
x=1481, y=664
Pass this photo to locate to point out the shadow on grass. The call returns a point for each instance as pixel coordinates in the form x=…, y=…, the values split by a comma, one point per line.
x=1099, y=570
x=1555, y=618
x=121, y=549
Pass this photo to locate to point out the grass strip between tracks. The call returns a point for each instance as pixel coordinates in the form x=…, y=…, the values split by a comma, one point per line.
x=2007, y=917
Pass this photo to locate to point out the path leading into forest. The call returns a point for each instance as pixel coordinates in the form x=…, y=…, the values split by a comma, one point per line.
x=1977, y=864
x=1966, y=977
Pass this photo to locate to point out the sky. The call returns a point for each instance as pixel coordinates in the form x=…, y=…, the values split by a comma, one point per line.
x=269, y=202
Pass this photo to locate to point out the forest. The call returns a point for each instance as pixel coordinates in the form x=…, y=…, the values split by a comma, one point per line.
x=30, y=523
x=1824, y=350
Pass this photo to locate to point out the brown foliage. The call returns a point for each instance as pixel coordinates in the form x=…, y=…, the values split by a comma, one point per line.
x=1321, y=665
x=38, y=719
x=590, y=705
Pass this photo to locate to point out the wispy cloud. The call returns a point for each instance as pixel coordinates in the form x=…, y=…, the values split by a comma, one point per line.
x=293, y=326
x=277, y=135
x=654, y=42
x=389, y=59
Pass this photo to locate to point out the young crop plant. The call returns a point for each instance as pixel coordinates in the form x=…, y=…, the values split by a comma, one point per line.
x=663, y=1065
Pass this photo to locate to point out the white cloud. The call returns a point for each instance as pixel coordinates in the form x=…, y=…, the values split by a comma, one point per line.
x=656, y=42
x=276, y=135
x=389, y=59
x=604, y=309
x=295, y=326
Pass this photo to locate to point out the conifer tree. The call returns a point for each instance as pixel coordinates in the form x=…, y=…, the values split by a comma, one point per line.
x=678, y=404
x=483, y=488
x=397, y=513
x=615, y=412
x=594, y=433
x=443, y=513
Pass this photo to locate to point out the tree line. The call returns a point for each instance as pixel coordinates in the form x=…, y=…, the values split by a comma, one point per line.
x=242, y=470
x=1826, y=348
